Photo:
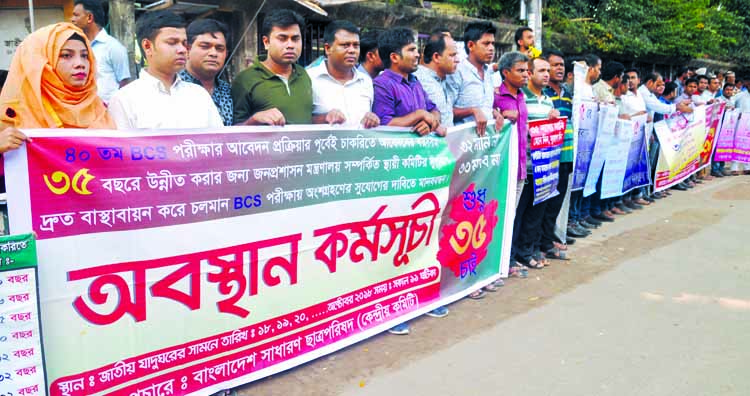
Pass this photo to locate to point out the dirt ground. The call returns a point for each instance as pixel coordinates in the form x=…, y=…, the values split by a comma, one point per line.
x=647, y=229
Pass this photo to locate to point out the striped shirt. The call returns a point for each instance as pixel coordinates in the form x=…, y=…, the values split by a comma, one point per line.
x=564, y=104
x=538, y=108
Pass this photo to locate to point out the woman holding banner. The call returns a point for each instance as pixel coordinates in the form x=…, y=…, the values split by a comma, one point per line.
x=51, y=85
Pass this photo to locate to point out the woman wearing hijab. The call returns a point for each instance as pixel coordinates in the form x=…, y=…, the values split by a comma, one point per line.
x=51, y=85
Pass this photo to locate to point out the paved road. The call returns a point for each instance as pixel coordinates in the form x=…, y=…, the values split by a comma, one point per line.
x=657, y=303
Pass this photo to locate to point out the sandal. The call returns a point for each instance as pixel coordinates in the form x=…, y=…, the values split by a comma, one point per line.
x=563, y=247
x=539, y=257
x=477, y=295
x=517, y=271
x=532, y=263
x=556, y=254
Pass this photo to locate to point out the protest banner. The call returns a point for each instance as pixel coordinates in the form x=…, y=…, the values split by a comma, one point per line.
x=21, y=354
x=625, y=173
x=714, y=113
x=585, y=125
x=186, y=262
x=682, y=142
x=725, y=141
x=741, y=152
x=604, y=140
x=547, y=138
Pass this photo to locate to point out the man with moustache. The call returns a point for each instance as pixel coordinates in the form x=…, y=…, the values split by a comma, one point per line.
x=341, y=93
x=159, y=98
x=441, y=59
x=207, y=52
x=400, y=99
x=275, y=91
x=562, y=99
x=527, y=226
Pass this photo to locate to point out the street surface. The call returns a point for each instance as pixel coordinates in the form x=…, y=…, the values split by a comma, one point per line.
x=655, y=304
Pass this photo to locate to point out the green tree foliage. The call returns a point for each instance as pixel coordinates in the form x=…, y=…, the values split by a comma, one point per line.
x=679, y=29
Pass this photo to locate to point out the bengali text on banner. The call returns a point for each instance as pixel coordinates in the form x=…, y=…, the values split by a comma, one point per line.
x=187, y=262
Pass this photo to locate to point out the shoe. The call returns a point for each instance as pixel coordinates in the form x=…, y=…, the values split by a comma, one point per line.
x=477, y=295
x=593, y=221
x=587, y=226
x=726, y=172
x=603, y=217
x=620, y=210
x=680, y=187
x=650, y=199
x=400, y=329
x=635, y=206
x=717, y=174
x=439, y=312
x=569, y=240
x=576, y=233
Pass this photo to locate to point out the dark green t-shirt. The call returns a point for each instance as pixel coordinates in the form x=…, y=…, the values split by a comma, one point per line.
x=257, y=89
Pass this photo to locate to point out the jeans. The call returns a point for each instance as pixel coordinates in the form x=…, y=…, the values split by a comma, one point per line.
x=574, y=213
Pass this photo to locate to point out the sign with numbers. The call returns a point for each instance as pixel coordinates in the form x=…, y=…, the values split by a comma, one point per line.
x=21, y=358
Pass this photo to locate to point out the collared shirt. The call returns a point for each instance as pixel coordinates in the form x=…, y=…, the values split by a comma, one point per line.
x=258, y=89
x=439, y=92
x=222, y=96
x=470, y=90
x=742, y=101
x=112, y=64
x=396, y=96
x=504, y=100
x=632, y=103
x=603, y=92
x=538, y=107
x=564, y=104
x=653, y=104
x=353, y=98
x=146, y=103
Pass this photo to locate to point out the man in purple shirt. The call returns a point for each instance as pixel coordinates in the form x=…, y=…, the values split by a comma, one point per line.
x=509, y=99
x=400, y=99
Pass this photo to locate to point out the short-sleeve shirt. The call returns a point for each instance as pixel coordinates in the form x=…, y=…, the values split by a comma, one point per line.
x=258, y=89
x=112, y=64
x=353, y=98
x=439, y=92
x=222, y=96
x=564, y=104
x=603, y=92
x=538, y=107
x=470, y=90
x=396, y=96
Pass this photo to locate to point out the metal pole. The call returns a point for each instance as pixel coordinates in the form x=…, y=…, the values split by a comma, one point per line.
x=31, y=15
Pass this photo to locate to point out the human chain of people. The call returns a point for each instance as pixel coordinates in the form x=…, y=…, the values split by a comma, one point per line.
x=382, y=182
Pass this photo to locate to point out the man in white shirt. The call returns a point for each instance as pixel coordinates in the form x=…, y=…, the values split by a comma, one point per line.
x=159, y=98
x=341, y=93
x=112, y=64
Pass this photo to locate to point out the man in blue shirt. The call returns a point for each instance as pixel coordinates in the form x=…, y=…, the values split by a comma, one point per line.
x=112, y=64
